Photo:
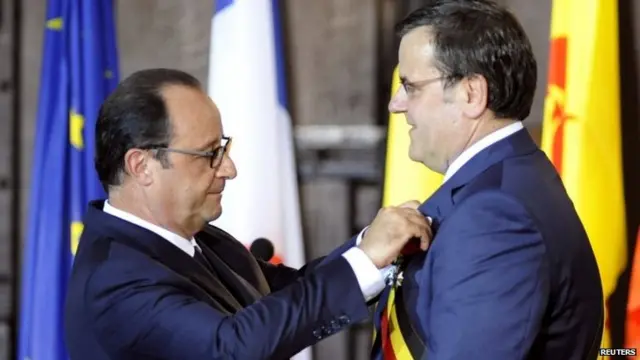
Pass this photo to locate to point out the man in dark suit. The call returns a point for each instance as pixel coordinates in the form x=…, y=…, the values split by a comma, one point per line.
x=152, y=280
x=510, y=273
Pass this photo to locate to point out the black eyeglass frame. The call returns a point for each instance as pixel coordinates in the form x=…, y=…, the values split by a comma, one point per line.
x=215, y=155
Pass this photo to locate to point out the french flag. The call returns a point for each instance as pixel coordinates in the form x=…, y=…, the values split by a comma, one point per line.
x=247, y=82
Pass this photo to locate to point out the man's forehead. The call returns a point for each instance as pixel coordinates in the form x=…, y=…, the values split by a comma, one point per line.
x=194, y=117
x=415, y=57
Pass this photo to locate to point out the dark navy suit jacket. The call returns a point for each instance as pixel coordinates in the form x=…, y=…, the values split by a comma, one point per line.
x=510, y=273
x=134, y=295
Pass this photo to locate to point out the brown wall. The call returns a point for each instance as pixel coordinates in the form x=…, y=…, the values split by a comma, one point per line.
x=9, y=88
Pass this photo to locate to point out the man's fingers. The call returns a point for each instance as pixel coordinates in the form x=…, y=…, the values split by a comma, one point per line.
x=416, y=217
x=411, y=222
x=423, y=232
x=424, y=242
x=420, y=228
x=423, y=238
x=429, y=232
x=411, y=204
x=427, y=239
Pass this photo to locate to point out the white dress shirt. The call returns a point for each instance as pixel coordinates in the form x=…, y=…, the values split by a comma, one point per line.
x=370, y=279
x=188, y=246
x=480, y=145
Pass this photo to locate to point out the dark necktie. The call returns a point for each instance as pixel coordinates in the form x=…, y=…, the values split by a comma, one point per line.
x=202, y=260
x=241, y=290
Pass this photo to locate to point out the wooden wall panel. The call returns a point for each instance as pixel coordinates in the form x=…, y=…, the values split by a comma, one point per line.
x=333, y=49
x=326, y=227
x=333, y=64
x=164, y=33
x=535, y=18
x=9, y=172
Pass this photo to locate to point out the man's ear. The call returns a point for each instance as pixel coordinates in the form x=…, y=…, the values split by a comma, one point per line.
x=474, y=92
x=136, y=165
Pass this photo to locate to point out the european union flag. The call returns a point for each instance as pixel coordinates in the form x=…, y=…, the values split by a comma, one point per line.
x=79, y=69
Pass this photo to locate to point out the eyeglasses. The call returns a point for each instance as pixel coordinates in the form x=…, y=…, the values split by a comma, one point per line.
x=410, y=87
x=215, y=155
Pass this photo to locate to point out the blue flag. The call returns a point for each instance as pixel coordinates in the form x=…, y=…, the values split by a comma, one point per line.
x=79, y=70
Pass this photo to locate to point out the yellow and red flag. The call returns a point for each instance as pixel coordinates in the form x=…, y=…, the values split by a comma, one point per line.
x=632, y=333
x=581, y=128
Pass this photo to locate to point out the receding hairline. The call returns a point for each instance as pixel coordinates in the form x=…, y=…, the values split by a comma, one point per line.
x=199, y=90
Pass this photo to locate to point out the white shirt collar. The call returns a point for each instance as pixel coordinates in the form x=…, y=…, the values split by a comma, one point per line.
x=188, y=246
x=480, y=145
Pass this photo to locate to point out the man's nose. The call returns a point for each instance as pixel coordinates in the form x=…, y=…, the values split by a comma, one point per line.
x=227, y=168
x=398, y=102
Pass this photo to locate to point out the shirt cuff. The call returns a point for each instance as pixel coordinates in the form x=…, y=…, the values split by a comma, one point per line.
x=361, y=235
x=370, y=278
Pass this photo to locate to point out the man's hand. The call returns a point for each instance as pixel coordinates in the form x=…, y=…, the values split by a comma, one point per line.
x=392, y=228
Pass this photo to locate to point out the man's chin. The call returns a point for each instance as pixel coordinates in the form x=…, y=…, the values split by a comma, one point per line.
x=413, y=155
x=423, y=160
x=213, y=216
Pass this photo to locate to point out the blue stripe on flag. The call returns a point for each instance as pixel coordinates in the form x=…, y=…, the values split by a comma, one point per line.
x=279, y=53
x=221, y=5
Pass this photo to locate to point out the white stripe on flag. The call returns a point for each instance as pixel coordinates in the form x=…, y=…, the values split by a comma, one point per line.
x=263, y=200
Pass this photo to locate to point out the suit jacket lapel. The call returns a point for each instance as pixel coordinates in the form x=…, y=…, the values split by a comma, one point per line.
x=242, y=290
x=210, y=287
x=236, y=257
x=438, y=205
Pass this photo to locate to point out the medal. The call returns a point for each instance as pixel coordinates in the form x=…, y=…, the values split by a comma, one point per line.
x=395, y=276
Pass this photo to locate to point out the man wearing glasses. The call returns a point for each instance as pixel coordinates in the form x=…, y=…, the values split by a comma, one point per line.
x=153, y=280
x=511, y=273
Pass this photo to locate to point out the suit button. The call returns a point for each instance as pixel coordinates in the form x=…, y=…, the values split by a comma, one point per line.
x=317, y=333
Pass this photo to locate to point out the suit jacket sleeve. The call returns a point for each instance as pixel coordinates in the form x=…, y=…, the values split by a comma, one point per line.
x=279, y=276
x=490, y=281
x=157, y=319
